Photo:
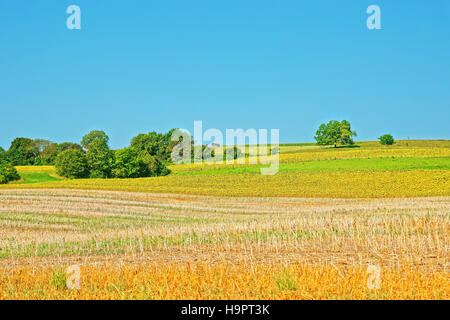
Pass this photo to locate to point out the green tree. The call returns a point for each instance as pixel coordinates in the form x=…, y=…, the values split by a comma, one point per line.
x=8, y=173
x=128, y=164
x=69, y=145
x=49, y=154
x=155, y=166
x=48, y=151
x=100, y=159
x=3, y=155
x=43, y=148
x=334, y=133
x=72, y=164
x=92, y=136
x=387, y=140
x=40, y=144
x=155, y=144
x=22, y=152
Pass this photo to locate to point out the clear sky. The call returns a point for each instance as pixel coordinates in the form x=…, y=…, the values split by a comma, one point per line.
x=139, y=66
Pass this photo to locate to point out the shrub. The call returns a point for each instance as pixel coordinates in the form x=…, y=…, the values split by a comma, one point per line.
x=387, y=140
x=8, y=173
x=72, y=164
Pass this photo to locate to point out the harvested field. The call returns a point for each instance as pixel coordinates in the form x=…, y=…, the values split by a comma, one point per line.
x=44, y=231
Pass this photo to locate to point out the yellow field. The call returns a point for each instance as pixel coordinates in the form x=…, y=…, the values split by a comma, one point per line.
x=354, y=184
x=327, y=154
x=36, y=169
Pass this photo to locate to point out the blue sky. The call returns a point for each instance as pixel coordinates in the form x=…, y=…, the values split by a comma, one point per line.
x=139, y=66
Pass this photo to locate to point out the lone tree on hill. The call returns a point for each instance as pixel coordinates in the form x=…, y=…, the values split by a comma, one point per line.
x=387, y=140
x=334, y=133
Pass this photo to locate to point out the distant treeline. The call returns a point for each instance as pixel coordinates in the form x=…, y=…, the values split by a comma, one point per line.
x=147, y=156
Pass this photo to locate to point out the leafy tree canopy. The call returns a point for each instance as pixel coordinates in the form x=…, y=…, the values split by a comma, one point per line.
x=387, y=140
x=72, y=163
x=3, y=155
x=128, y=164
x=100, y=159
x=92, y=136
x=334, y=133
x=155, y=144
x=22, y=152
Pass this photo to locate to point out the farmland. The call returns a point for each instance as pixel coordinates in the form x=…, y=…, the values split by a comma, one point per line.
x=226, y=232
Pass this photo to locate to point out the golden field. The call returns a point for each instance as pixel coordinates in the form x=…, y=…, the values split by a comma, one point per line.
x=224, y=281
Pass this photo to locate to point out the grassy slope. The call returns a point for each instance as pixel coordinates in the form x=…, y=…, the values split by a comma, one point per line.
x=37, y=177
x=37, y=174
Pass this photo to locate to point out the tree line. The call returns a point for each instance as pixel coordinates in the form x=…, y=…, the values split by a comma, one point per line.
x=147, y=156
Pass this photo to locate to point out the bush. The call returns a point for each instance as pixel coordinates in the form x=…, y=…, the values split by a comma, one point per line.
x=72, y=164
x=387, y=140
x=8, y=173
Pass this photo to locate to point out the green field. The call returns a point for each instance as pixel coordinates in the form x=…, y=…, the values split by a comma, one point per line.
x=382, y=164
x=37, y=177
